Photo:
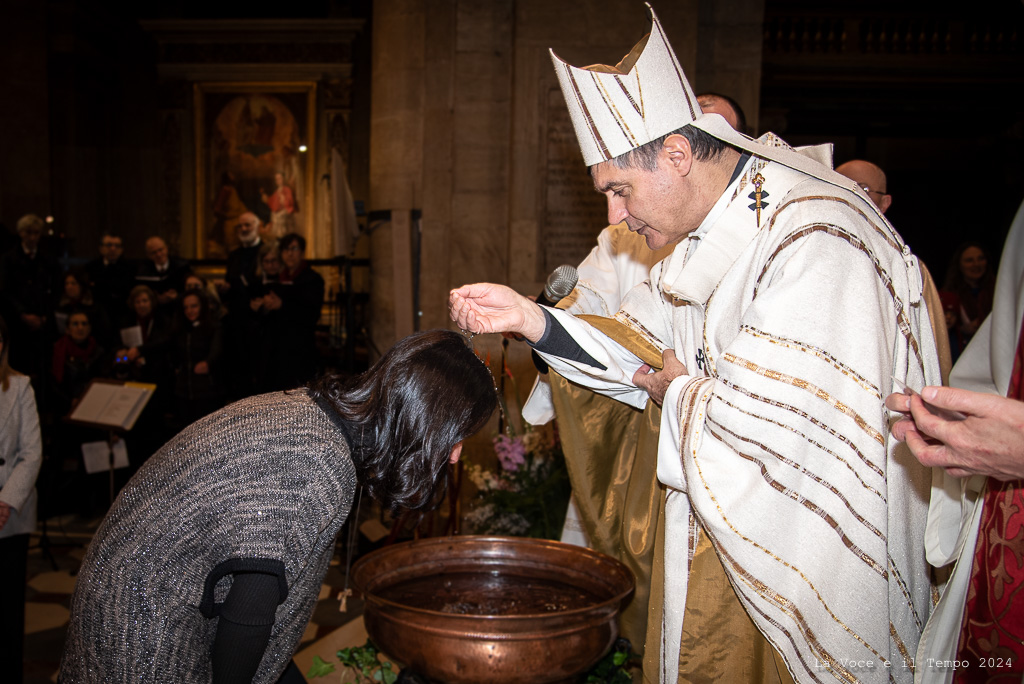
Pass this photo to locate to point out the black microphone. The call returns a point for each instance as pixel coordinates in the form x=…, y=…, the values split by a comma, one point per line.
x=558, y=286
x=560, y=283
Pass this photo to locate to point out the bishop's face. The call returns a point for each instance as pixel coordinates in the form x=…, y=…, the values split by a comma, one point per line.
x=652, y=203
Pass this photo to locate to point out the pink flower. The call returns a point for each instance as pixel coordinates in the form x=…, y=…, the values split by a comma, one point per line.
x=511, y=452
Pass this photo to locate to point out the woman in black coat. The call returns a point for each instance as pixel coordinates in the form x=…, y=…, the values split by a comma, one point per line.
x=197, y=350
x=291, y=312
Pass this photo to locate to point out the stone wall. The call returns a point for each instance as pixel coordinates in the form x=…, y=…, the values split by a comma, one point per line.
x=468, y=125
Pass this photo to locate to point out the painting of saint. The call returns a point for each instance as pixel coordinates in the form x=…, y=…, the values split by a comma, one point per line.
x=253, y=160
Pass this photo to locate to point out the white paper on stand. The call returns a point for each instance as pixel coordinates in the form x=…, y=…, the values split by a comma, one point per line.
x=96, y=456
x=131, y=337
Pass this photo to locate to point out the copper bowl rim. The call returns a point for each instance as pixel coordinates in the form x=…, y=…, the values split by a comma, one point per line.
x=610, y=603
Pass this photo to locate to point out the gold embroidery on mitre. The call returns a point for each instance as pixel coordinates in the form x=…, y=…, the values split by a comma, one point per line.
x=614, y=111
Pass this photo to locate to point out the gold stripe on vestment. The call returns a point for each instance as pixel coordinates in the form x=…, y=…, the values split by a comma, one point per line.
x=816, y=351
x=610, y=104
x=586, y=113
x=767, y=593
x=789, y=608
x=804, y=470
x=626, y=336
x=646, y=341
x=890, y=237
x=806, y=502
x=796, y=432
x=908, y=659
x=837, y=231
x=895, y=573
x=810, y=387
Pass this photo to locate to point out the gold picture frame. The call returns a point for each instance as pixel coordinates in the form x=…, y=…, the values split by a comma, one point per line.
x=255, y=149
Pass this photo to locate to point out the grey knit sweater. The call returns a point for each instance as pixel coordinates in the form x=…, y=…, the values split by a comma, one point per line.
x=269, y=477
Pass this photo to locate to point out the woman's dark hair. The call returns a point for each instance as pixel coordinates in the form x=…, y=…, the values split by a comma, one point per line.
x=205, y=318
x=286, y=241
x=406, y=414
x=84, y=283
x=138, y=290
x=955, y=278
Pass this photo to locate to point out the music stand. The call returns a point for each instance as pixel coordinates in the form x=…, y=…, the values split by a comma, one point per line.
x=112, y=406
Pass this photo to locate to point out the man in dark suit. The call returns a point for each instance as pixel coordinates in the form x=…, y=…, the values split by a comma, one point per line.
x=240, y=285
x=30, y=282
x=163, y=273
x=112, y=277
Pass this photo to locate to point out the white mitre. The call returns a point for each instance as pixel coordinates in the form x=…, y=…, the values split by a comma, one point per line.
x=615, y=109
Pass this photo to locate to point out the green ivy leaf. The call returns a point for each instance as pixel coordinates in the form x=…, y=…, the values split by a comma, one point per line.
x=319, y=668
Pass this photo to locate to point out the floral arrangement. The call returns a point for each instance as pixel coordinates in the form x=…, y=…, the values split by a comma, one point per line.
x=528, y=493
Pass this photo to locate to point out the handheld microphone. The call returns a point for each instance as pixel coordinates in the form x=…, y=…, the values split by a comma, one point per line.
x=558, y=286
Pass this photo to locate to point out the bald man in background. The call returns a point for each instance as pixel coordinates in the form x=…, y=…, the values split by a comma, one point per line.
x=871, y=178
x=715, y=103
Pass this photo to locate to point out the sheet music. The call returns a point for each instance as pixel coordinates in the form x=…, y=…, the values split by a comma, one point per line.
x=113, y=404
x=96, y=456
x=131, y=337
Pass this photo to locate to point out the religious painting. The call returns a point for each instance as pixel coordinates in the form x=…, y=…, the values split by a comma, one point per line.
x=254, y=153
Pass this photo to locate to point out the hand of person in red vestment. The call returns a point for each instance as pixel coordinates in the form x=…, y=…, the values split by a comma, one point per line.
x=989, y=440
x=656, y=383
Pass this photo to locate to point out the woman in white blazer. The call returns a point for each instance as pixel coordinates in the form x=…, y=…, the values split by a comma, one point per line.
x=20, y=457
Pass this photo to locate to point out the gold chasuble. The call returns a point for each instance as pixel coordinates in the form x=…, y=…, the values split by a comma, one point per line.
x=611, y=451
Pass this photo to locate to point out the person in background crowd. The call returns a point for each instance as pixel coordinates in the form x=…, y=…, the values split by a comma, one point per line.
x=112, y=276
x=292, y=310
x=871, y=178
x=148, y=362
x=716, y=103
x=77, y=295
x=21, y=455
x=970, y=279
x=163, y=274
x=243, y=262
x=78, y=358
x=211, y=560
x=194, y=281
x=239, y=287
x=29, y=284
x=269, y=269
x=153, y=331
x=198, y=350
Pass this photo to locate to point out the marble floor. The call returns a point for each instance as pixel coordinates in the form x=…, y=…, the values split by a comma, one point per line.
x=54, y=559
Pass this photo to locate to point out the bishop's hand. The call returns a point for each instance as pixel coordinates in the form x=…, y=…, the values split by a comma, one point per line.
x=491, y=308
